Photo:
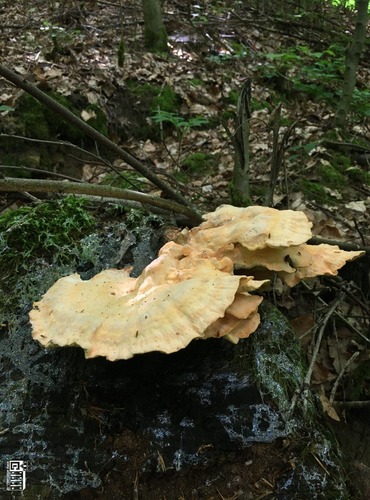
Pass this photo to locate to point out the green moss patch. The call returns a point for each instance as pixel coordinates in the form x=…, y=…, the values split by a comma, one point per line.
x=40, y=122
x=357, y=174
x=155, y=97
x=199, y=163
x=315, y=191
x=99, y=122
x=331, y=177
x=47, y=231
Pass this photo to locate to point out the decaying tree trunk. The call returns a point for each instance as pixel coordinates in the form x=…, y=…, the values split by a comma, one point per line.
x=155, y=32
x=353, y=54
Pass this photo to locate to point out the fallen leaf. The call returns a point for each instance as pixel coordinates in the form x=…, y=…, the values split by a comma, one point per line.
x=328, y=408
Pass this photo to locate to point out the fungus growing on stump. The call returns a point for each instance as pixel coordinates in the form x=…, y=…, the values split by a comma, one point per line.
x=176, y=299
x=262, y=238
x=190, y=291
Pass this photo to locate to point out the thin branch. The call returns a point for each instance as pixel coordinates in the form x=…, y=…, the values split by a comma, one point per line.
x=307, y=380
x=47, y=186
x=99, y=159
x=315, y=353
x=355, y=295
x=68, y=144
x=124, y=203
x=95, y=135
x=336, y=384
x=40, y=171
x=343, y=245
x=340, y=316
x=352, y=404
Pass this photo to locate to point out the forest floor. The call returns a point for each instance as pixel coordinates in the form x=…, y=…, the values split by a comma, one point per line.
x=295, y=63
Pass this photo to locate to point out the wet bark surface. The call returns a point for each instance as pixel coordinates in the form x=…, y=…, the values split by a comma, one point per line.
x=207, y=421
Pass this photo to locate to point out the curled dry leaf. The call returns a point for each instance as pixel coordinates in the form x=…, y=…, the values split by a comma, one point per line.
x=328, y=408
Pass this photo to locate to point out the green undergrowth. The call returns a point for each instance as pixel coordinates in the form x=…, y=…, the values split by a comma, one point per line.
x=47, y=233
x=199, y=163
x=330, y=180
x=126, y=180
x=40, y=122
x=181, y=124
x=143, y=100
x=357, y=174
x=315, y=191
x=332, y=177
x=302, y=72
x=155, y=97
x=99, y=119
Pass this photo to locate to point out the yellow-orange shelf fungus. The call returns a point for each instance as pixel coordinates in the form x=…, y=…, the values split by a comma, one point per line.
x=240, y=320
x=326, y=260
x=252, y=227
x=286, y=259
x=188, y=292
x=173, y=302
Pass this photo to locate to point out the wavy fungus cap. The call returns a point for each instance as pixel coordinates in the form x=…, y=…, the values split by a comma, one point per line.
x=326, y=260
x=175, y=300
x=252, y=227
x=188, y=292
x=262, y=238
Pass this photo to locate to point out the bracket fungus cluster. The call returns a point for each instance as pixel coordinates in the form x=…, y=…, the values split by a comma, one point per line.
x=190, y=291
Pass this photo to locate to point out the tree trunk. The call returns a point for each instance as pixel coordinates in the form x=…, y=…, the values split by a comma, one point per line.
x=353, y=54
x=239, y=188
x=155, y=32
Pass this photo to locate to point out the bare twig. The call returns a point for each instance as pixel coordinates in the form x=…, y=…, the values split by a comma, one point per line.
x=320, y=463
x=355, y=295
x=345, y=146
x=335, y=386
x=40, y=171
x=95, y=135
x=340, y=316
x=343, y=245
x=352, y=404
x=47, y=186
x=136, y=486
x=315, y=353
x=307, y=380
